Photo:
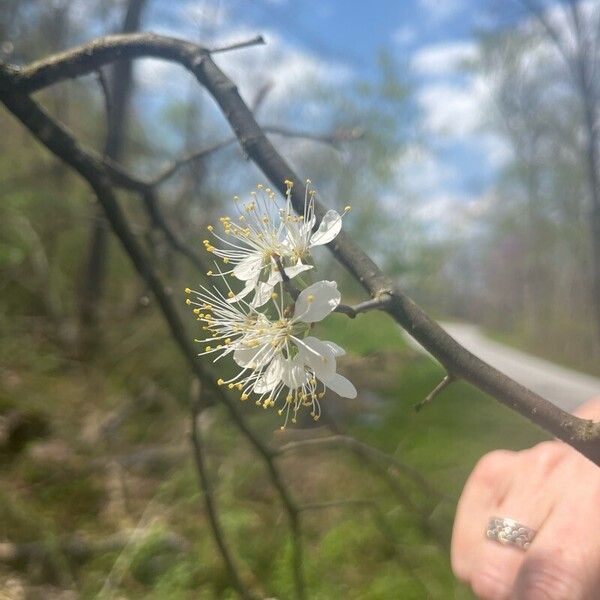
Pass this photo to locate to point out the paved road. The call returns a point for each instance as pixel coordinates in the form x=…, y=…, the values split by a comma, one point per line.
x=565, y=387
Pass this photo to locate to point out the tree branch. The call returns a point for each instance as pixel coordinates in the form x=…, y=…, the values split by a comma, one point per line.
x=211, y=509
x=363, y=451
x=58, y=140
x=259, y=40
x=438, y=389
x=584, y=435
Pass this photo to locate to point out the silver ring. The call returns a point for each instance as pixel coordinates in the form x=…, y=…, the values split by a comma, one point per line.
x=509, y=533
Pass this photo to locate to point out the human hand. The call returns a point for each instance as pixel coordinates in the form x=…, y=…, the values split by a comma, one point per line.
x=550, y=488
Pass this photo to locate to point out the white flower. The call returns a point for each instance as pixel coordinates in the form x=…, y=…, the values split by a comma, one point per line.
x=265, y=236
x=276, y=355
x=299, y=229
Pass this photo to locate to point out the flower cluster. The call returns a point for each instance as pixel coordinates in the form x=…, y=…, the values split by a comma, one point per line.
x=281, y=365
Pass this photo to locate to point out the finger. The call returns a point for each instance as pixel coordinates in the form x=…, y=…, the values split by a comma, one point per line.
x=564, y=560
x=480, y=498
x=495, y=566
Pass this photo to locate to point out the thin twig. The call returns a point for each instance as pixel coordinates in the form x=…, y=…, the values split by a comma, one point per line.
x=363, y=451
x=58, y=140
x=291, y=289
x=209, y=503
x=350, y=311
x=259, y=40
x=108, y=105
x=581, y=434
x=438, y=389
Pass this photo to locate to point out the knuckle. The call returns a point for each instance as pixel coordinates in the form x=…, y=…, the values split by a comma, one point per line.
x=490, y=466
x=490, y=584
x=546, y=456
x=547, y=579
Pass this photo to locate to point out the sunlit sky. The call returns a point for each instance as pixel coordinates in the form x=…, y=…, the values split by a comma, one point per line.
x=337, y=40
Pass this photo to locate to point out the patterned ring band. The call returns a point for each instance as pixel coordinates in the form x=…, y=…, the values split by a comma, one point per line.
x=509, y=532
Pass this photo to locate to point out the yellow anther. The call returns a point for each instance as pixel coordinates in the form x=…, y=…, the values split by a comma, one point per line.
x=207, y=349
x=310, y=298
x=228, y=340
x=187, y=291
x=244, y=397
x=225, y=260
x=188, y=301
x=220, y=382
x=274, y=295
x=209, y=272
x=210, y=228
x=230, y=295
x=348, y=208
x=230, y=386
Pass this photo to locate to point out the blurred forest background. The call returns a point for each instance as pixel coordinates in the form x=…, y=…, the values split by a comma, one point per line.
x=99, y=494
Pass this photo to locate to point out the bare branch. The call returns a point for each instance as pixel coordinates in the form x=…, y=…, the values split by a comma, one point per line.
x=259, y=40
x=333, y=139
x=291, y=289
x=58, y=140
x=261, y=96
x=78, y=548
x=209, y=503
x=105, y=88
x=152, y=207
x=440, y=387
x=538, y=12
x=365, y=452
x=583, y=435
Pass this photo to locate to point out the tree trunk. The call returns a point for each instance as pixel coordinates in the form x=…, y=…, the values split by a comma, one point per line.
x=95, y=264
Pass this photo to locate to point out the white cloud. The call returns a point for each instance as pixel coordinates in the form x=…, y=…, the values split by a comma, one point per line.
x=290, y=68
x=422, y=173
x=203, y=14
x=440, y=10
x=450, y=110
x=443, y=59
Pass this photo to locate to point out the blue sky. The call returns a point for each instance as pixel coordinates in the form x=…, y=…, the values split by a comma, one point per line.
x=337, y=40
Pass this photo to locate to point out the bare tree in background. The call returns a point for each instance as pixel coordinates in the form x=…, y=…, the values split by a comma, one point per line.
x=118, y=92
x=577, y=41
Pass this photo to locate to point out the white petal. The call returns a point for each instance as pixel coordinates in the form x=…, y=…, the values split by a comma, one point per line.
x=249, y=267
x=294, y=373
x=271, y=377
x=262, y=294
x=337, y=350
x=340, y=385
x=291, y=272
x=330, y=226
x=247, y=289
x=318, y=356
x=316, y=301
x=253, y=358
x=298, y=268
